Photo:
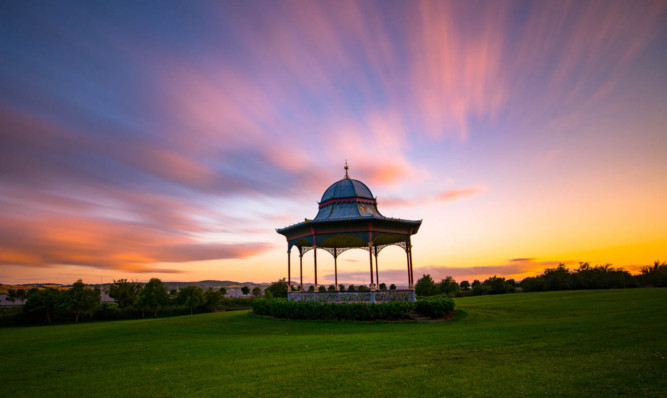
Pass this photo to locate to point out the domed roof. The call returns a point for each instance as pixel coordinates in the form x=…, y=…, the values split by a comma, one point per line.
x=347, y=188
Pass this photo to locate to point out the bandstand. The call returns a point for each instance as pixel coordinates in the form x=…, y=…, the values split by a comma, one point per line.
x=348, y=218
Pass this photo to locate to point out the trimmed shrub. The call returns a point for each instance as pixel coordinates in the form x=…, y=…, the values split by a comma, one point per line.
x=435, y=307
x=312, y=310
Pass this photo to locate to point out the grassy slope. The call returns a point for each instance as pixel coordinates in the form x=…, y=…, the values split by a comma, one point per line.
x=583, y=343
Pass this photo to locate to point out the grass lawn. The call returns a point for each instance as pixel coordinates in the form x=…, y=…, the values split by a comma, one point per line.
x=574, y=343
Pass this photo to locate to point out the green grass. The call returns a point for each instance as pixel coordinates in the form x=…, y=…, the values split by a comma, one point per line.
x=574, y=343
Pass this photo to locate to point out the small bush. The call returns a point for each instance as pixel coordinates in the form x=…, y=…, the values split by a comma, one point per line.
x=435, y=307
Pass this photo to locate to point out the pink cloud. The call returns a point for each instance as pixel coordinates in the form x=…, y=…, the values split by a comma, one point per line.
x=444, y=196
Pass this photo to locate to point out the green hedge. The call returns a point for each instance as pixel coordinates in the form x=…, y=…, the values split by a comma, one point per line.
x=281, y=308
x=435, y=307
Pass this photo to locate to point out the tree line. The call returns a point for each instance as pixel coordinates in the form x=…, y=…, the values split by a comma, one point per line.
x=131, y=300
x=558, y=278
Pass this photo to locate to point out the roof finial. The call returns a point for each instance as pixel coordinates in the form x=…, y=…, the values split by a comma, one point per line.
x=347, y=177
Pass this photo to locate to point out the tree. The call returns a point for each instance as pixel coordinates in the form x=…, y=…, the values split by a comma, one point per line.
x=43, y=302
x=449, y=286
x=277, y=289
x=212, y=299
x=362, y=288
x=11, y=295
x=331, y=288
x=341, y=287
x=558, y=278
x=426, y=286
x=350, y=288
x=223, y=291
x=465, y=286
x=533, y=284
x=655, y=275
x=245, y=290
x=321, y=289
x=152, y=296
x=125, y=293
x=475, y=283
x=497, y=285
x=383, y=286
x=256, y=291
x=191, y=297
x=21, y=295
x=311, y=288
x=392, y=287
x=82, y=300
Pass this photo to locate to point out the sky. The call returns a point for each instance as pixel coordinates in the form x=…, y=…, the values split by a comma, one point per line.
x=170, y=139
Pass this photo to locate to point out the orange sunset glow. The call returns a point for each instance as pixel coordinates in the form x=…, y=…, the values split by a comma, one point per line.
x=138, y=144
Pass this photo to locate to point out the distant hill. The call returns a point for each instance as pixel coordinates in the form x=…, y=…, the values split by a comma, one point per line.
x=216, y=284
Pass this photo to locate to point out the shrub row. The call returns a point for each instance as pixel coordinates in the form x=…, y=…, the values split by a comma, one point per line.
x=281, y=308
x=435, y=307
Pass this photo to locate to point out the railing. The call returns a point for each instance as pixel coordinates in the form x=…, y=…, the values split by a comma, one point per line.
x=378, y=296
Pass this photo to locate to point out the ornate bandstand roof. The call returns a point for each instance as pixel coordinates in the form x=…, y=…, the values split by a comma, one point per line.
x=347, y=217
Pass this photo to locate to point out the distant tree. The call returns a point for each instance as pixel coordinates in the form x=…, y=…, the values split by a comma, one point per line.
x=43, y=303
x=497, y=285
x=383, y=286
x=655, y=275
x=11, y=295
x=350, y=288
x=426, y=286
x=153, y=296
x=311, y=288
x=363, y=288
x=82, y=300
x=125, y=293
x=331, y=288
x=475, y=283
x=449, y=286
x=245, y=290
x=277, y=289
x=392, y=287
x=21, y=295
x=212, y=299
x=479, y=289
x=558, y=278
x=191, y=297
x=256, y=291
x=341, y=287
x=533, y=284
x=465, y=286
x=321, y=289
x=223, y=291
x=173, y=296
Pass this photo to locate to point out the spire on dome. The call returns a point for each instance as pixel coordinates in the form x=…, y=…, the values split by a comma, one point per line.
x=347, y=177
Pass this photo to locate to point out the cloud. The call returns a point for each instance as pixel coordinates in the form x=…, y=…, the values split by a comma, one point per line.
x=444, y=196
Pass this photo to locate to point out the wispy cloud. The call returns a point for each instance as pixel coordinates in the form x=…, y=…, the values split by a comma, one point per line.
x=444, y=196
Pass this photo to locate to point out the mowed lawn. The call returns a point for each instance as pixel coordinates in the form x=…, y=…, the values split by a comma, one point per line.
x=575, y=343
